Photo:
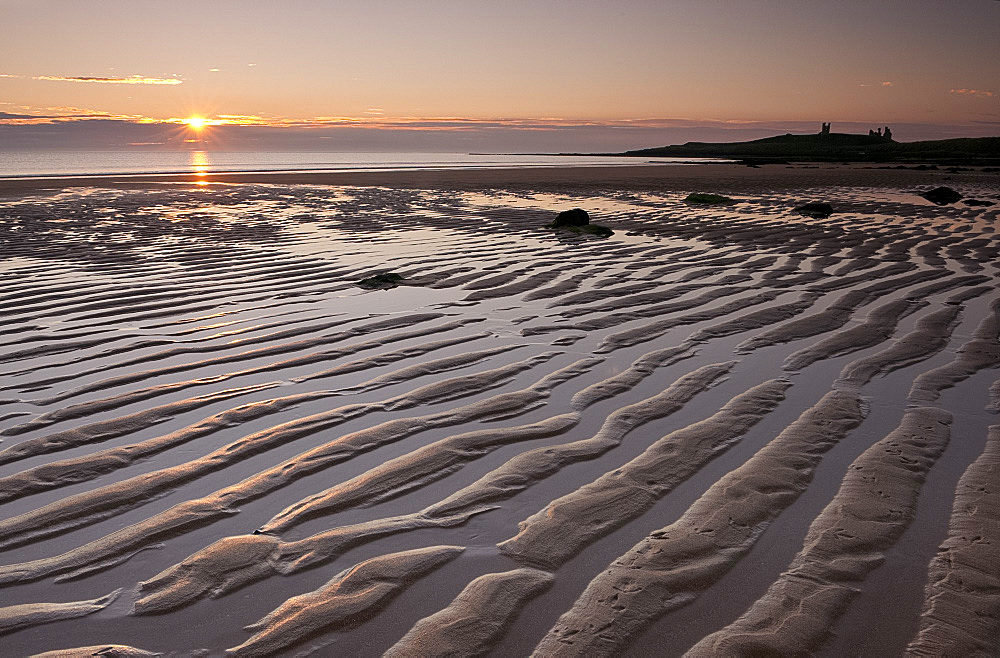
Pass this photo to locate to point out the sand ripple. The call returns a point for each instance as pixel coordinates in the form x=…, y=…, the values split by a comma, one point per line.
x=708, y=433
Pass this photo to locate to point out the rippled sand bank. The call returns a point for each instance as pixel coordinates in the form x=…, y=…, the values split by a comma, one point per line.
x=720, y=431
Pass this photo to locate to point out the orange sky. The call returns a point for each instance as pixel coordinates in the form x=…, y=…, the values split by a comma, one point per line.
x=382, y=64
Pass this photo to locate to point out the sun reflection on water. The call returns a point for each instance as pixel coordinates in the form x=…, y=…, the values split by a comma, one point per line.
x=199, y=164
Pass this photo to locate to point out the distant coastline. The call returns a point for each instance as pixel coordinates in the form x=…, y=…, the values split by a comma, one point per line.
x=828, y=146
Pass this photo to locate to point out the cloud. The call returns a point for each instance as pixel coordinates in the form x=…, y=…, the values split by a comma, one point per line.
x=128, y=80
x=62, y=114
x=552, y=133
x=981, y=93
x=4, y=116
x=374, y=119
x=518, y=135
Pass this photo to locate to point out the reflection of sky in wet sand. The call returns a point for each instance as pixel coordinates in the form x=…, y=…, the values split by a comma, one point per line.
x=552, y=202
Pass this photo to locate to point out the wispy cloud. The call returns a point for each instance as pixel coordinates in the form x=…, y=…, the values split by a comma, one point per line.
x=128, y=80
x=549, y=128
x=106, y=80
x=374, y=119
x=10, y=117
x=62, y=114
x=982, y=93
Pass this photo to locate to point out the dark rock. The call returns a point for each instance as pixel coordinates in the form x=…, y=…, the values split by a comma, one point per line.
x=979, y=202
x=383, y=281
x=702, y=198
x=816, y=209
x=578, y=221
x=942, y=196
x=574, y=217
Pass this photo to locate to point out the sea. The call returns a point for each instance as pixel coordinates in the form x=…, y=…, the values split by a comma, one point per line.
x=32, y=164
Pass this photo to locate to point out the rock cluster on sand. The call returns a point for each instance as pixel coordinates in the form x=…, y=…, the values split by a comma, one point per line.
x=942, y=196
x=816, y=210
x=382, y=281
x=578, y=221
x=707, y=199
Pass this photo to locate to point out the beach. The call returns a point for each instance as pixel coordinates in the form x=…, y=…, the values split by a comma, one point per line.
x=725, y=429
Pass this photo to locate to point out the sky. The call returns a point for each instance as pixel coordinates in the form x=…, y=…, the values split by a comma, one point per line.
x=540, y=75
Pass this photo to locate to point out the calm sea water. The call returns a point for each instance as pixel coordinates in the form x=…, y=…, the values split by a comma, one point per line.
x=76, y=163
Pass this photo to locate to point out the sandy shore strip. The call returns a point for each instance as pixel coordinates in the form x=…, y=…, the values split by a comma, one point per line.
x=724, y=177
x=526, y=441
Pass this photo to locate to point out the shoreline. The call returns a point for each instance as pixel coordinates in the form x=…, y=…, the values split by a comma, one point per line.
x=716, y=176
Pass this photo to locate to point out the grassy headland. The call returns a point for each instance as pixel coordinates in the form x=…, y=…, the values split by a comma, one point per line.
x=839, y=147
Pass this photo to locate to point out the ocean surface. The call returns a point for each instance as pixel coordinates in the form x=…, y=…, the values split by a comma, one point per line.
x=17, y=164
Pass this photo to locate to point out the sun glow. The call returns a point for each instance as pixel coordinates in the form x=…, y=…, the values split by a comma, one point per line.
x=196, y=123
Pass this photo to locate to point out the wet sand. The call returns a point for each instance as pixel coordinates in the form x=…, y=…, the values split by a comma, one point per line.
x=722, y=430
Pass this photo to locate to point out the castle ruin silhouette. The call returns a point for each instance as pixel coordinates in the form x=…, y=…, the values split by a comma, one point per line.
x=884, y=133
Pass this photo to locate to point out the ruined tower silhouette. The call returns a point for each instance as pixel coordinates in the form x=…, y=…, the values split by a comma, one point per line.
x=886, y=134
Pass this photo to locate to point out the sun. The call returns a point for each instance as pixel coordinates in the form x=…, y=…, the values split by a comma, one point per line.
x=196, y=123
